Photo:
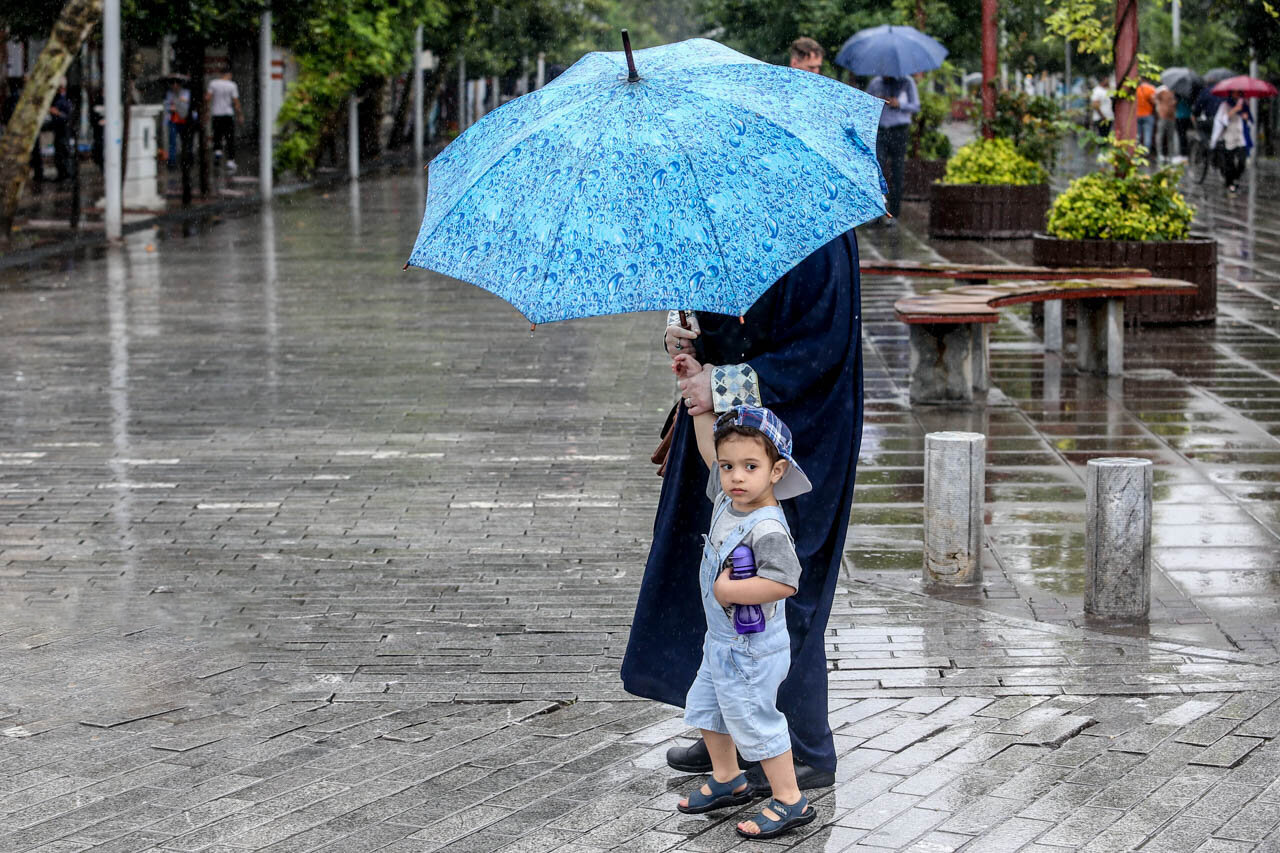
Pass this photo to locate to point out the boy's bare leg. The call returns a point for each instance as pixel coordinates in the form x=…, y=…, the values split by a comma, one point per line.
x=724, y=761
x=781, y=773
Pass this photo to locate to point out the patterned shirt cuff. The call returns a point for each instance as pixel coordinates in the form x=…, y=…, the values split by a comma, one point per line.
x=734, y=385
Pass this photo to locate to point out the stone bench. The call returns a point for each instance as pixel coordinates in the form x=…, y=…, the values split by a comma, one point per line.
x=982, y=273
x=950, y=328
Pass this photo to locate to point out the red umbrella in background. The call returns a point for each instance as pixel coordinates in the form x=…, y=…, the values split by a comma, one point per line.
x=1249, y=87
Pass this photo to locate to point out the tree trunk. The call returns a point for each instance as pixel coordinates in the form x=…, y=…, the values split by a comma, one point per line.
x=73, y=25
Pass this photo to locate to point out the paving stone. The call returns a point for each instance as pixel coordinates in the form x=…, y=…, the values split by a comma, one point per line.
x=1227, y=752
x=1145, y=739
x=1206, y=731
x=1081, y=826
x=1256, y=821
x=1182, y=833
x=878, y=810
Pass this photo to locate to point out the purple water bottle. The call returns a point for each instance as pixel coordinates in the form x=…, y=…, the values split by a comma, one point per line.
x=747, y=618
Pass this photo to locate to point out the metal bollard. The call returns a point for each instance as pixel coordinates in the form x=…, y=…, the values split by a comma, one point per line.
x=954, y=479
x=1118, y=538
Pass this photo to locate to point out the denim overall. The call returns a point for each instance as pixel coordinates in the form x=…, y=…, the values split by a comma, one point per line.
x=735, y=691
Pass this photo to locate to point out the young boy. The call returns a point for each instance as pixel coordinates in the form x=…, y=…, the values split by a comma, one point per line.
x=733, y=699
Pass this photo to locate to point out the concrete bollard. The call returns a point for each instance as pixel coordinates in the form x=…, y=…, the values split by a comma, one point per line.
x=1118, y=538
x=954, y=480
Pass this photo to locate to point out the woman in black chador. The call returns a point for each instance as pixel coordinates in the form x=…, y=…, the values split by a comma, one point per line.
x=798, y=351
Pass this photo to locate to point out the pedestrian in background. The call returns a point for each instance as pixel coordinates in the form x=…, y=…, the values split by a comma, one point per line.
x=1166, y=142
x=1230, y=130
x=1145, y=101
x=1100, y=109
x=807, y=55
x=222, y=103
x=902, y=101
x=177, y=109
x=1182, y=122
x=60, y=112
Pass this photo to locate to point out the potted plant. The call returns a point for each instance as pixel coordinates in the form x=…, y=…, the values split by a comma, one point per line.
x=1126, y=217
x=930, y=147
x=989, y=191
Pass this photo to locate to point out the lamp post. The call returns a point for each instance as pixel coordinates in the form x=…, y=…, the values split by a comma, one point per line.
x=989, y=12
x=113, y=132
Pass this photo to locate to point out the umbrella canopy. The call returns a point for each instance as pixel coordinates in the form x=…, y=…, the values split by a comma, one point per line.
x=1249, y=87
x=1183, y=81
x=1216, y=75
x=694, y=187
x=890, y=51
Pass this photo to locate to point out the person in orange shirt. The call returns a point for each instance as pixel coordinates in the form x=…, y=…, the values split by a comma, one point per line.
x=1146, y=103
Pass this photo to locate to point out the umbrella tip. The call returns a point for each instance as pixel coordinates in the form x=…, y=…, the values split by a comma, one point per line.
x=405, y=267
x=633, y=76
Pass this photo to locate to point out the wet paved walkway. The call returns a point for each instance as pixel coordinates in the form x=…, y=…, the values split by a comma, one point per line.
x=301, y=552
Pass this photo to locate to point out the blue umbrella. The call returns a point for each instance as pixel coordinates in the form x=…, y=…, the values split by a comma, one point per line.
x=695, y=185
x=890, y=51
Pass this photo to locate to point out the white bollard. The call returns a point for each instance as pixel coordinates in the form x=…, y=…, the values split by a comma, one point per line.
x=954, y=481
x=1117, y=536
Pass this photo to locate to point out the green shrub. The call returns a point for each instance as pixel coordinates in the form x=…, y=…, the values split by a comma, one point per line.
x=1033, y=123
x=993, y=161
x=1135, y=206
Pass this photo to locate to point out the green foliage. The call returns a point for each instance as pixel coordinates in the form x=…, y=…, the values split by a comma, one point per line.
x=1212, y=30
x=1124, y=203
x=993, y=161
x=928, y=140
x=1033, y=123
x=346, y=45
x=765, y=28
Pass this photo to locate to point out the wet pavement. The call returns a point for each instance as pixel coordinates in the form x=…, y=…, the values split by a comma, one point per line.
x=1202, y=402
x=303, y=552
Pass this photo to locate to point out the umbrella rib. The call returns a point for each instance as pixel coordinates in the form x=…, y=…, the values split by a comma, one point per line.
x=693, y=172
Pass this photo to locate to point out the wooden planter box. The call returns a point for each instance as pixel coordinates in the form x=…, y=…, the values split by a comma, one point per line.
x=987, y=212
x=918, y=178
x=1194, y=260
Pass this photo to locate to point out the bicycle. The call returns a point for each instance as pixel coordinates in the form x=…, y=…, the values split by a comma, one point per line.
x=1201, y=156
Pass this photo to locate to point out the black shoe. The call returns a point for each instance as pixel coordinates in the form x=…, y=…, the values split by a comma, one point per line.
x=807, y=778
x=696, y=759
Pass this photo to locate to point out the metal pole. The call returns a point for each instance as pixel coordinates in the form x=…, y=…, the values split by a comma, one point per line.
x=265, y=113
x=113, y=132
x=462, y=93
x=989, y=11
x=419, y=119
x=1177, y=25
x=1066, y=83
x=353, y=137
x=541, y=79
x=1253, y=102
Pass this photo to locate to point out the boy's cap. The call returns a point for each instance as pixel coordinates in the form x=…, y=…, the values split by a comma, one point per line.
x=794, y=482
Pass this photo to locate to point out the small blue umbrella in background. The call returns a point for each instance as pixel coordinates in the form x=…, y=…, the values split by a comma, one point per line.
x=690, y=178
x=890, y=51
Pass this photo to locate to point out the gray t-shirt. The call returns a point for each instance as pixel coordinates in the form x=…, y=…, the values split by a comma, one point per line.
x=769, y=540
